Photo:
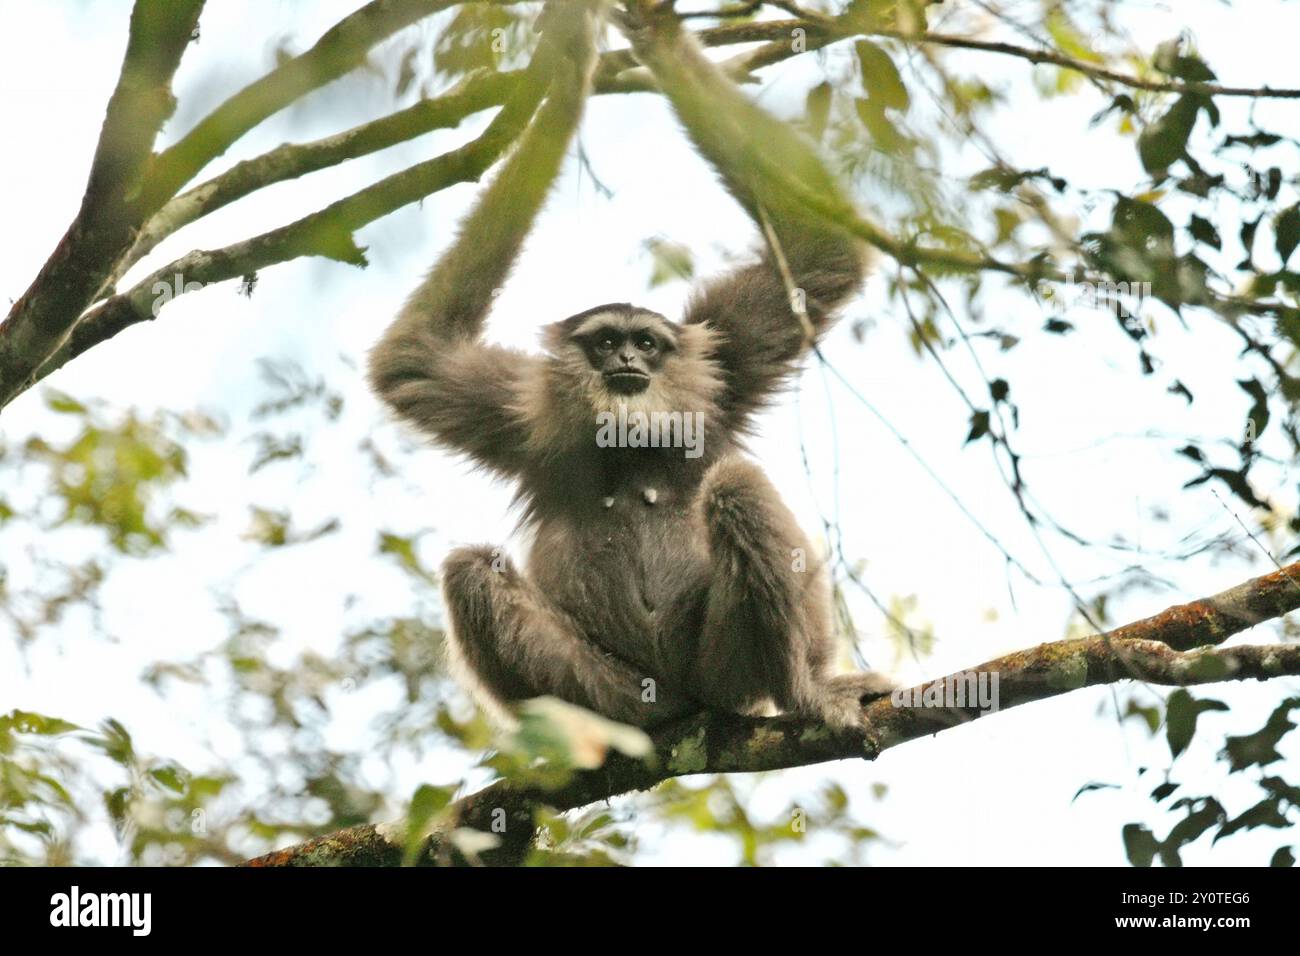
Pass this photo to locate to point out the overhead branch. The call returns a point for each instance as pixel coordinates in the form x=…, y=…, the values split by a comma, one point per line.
x=340, y=49
x=128, y=183
x=42, y=319
x=292, y=160
x=825, y=29
x=111, y=209
x=617, y=73
x=1094, y=70
x=328, y=232
x=716, y=743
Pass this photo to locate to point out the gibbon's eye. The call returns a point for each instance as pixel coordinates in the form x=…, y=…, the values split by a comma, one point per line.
x=605, y=343
x=645, y=343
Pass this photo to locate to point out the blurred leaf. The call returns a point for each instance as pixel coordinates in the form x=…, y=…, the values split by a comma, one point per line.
x=1092, y=787
x=64, y=404
x=671, y=261
x=1181, y=713
x=1140, y=844
x=1287, y=232
x=817, y=109
x=1150, y=716
x=1260, y=748
x=880, y=77
x=1163, y=142
x=1203, y=230
x=552, y=727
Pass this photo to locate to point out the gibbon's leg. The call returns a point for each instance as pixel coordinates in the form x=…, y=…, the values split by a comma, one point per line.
x=767, y=630
x=517, y=645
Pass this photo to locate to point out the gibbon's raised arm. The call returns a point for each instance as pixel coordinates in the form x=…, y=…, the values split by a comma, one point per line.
x=762, y=334
x=430, y=366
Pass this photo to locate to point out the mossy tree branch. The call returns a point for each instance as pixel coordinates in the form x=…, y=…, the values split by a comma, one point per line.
x=1176, y=648
x=112, y=208
x=118, y=226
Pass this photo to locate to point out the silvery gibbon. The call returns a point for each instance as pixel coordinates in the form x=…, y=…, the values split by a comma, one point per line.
x=662, y=580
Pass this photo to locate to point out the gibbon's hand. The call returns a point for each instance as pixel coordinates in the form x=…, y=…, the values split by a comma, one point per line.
x=637, y=17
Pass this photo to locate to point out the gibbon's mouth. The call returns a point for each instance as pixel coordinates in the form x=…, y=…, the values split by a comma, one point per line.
x=628, y=381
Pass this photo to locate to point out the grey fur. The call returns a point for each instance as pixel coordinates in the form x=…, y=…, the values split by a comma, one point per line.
x=657, y=584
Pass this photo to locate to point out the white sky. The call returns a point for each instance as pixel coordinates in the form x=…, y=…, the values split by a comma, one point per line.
x=998, y=791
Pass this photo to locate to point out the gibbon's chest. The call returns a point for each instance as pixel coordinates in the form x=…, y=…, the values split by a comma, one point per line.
x=603, y=491
x=622, y=526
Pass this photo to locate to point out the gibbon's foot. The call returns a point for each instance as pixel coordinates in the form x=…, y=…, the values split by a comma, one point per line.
x=848, y=694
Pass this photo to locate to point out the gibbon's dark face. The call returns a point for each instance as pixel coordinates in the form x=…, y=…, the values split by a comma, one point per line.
x=626, y=345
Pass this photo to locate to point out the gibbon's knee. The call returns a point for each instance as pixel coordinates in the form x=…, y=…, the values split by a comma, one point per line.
x=470, y=579
x=470, y=565
x=507, y=640
x=473, y=580
x=753, y=538
x=730, y=484
x=742, y=510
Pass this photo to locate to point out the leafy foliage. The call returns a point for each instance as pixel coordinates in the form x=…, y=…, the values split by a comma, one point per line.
x=305, y=733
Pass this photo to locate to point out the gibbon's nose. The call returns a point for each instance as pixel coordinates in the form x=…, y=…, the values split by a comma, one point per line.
x=627, y=358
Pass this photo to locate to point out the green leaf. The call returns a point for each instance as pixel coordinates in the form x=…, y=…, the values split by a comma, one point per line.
x=1266, y=813
x=1258, y=415
x=118, y=803
x=1181, y=713
x=1164, y=142
x=171, y=777
x=882, y=129
x=1170, y=59
x=818, y=109
x=1203, y=230
x=1190, y=828
x=1090, y=787
x=1260, y=748
x=671, y=260
x=1149, y=715
x=30, y=722
x=1281, y=789
x=1164, y=790
x=880, y=77
x=1286, y=232
x=1139, y=844
x=63, y=404
x=428, y=800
